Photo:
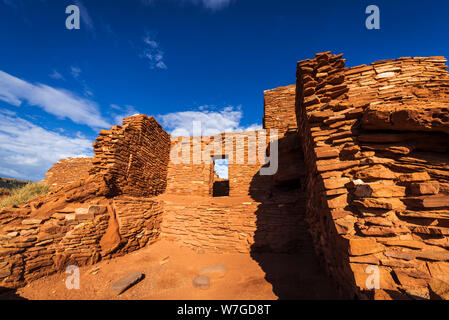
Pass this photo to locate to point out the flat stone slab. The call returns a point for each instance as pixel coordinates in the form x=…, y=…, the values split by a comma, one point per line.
x=31, y=221
x=5, y=273
x=201, y=282
x=217, y=271
x=126, y=282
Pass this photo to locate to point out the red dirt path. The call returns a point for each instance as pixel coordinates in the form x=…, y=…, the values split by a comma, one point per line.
x=243, y=280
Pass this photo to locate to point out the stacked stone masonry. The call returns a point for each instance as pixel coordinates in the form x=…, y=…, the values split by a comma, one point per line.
x=257, y=216
x=241, y=225
x=67, y=171
x=375, y=145
x=190, y=171
x=133, y=157
x=75, y=225
x=279, y=108
x=105, y=214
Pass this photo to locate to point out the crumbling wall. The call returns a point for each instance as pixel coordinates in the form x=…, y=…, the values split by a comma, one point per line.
x=75, y=225
x=68, y=170
x=377, y=171
x=95, y=217
x=133, y=157
x=279, y=108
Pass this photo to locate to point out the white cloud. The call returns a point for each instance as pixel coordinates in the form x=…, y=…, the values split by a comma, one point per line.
x=215, y=4
x=58, y=102
x=153, y=53
x=75, y=71
x=221, y=168
x=56, y=75
x=144, y=2
x=27, y=151
x=85, y=17
x=124, y=112
x=209, y=4
x=210, y=122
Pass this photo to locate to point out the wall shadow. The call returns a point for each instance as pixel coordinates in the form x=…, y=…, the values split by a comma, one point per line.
x=9, y=294
x=282, y=245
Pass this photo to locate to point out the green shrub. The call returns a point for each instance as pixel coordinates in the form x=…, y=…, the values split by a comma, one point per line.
x=22, y=195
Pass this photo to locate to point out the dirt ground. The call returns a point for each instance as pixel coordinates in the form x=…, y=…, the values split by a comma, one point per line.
x=170, y=269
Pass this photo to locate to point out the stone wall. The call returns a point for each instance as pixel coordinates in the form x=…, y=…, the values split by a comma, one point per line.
x=133, y=157
x=68, y=170
x=184, y=177
x=377, y=171
x=242, y=149
x=237, y=224
x=262, y=214
x=279, y=108
x=75, y=225
x=96, y=217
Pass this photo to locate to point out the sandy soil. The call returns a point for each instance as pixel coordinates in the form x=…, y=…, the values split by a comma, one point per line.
x=170, y=269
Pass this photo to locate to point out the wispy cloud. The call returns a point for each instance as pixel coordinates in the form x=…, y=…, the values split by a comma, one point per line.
x=122, y=112
x=59, y=102
x=27, y=151
x=209, y=4
x=144, y=2
x=10, y=3
x=221, y=168
x=75, y=71
x=153, y=53
x=85, y=17
x=212, y=122
x=56, y=75
x=214, y=4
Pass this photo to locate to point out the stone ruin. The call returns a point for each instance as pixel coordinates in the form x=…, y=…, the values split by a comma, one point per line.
x=362, y=180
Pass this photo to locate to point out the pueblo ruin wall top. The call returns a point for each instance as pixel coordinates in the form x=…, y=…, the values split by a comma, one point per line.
x=279, y=108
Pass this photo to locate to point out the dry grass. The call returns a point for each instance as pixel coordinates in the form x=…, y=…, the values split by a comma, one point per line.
x=22, y=195
x=5, y=192
x=12, y=183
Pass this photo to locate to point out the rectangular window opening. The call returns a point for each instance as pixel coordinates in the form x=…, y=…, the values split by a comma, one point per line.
x=221, y=176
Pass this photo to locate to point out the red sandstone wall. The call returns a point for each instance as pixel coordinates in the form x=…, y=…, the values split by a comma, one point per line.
x=262, y=214
x=377, y=197
x=78, y=223
x=74, y=225
x=279, y=108
x=195, y=179
x=67, y=171
x=237, y=224
x=133, y=157
x=185, y=177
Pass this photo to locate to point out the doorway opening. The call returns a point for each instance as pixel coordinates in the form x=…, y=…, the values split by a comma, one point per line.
x=220, y=182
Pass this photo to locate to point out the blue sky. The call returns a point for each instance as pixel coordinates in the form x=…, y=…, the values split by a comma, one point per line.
x=178, y=60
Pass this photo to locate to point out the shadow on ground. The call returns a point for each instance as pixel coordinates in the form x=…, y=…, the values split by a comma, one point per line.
x=283, y=246
x=9, y=294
